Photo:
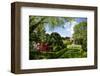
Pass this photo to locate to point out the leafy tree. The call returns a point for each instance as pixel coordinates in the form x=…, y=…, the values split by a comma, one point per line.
x=41, y=21
x=56, y=38
x=80, y=34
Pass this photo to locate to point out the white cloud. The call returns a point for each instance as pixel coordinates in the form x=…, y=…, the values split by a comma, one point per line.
x=72, y=26
x=66, y=31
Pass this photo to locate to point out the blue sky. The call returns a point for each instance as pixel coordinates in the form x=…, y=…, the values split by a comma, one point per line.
x=67, y=31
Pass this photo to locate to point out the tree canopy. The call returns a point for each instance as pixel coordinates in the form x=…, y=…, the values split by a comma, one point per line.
x=47, y=42
x=41, y=21
x=80, y=34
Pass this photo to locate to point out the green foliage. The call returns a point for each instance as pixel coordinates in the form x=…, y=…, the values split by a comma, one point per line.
x=58, y=47
x=56, y=39
x=34, y=55
x=71, y=54
x=60, y=53
x=73, y=46
x=34, y=37
x=74, y=52
x=80, y=35
x=35, y=21
x=67, y=42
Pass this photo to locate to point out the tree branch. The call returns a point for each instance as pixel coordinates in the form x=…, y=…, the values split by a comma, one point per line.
x=35, y=25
